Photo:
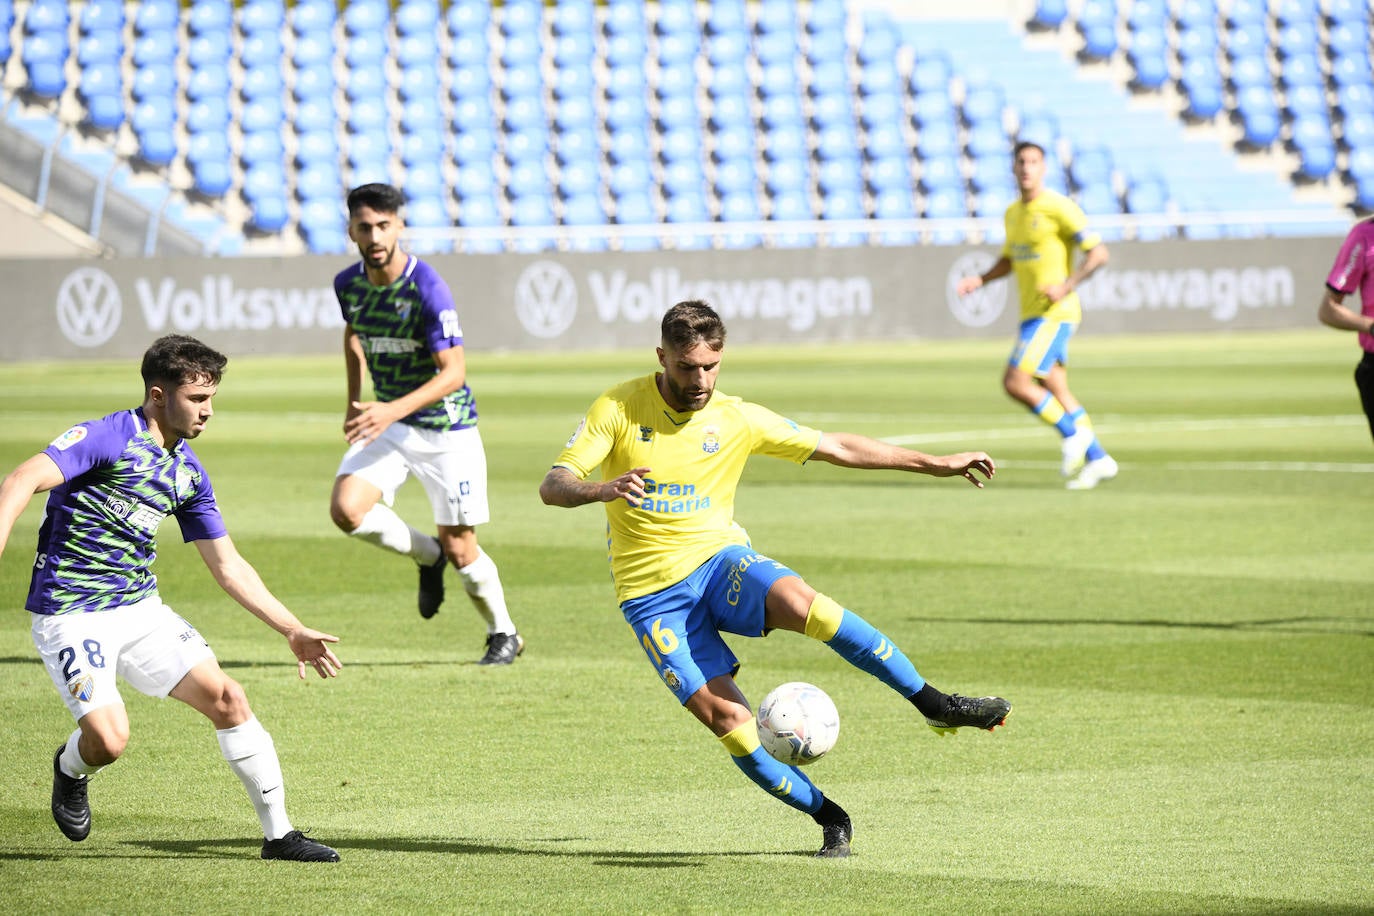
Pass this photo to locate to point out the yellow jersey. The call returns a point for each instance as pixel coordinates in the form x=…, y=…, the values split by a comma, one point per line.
x=1042, y=236
x=695, y=461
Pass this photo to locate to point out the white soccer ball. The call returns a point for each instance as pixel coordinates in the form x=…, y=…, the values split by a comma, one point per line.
x=798, y=723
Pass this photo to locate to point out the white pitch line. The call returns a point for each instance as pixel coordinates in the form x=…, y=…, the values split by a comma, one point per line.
x=1301, y=467
x=1167, y=424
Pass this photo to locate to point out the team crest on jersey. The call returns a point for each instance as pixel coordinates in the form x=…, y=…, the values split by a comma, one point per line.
x=185, y=480
x=577, y=432
x=646, y=434
x=403, y=307
x=83, y=687
x=69, y=438
x=671, y=679
x=710, y=443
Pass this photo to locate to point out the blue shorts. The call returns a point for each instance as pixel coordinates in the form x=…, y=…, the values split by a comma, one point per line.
x=1040, y=345
x=679, y=627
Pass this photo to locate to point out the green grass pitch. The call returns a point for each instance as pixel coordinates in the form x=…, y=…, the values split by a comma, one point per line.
x=1189, y=648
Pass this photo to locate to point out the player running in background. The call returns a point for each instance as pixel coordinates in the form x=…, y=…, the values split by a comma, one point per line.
x=94, y=599
x=1043, y=230
x=671, y=451
x=403, y=326
x=1354, y=271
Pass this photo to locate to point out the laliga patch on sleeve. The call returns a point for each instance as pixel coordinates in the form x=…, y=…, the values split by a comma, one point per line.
x=69, y=438
x=577, y=432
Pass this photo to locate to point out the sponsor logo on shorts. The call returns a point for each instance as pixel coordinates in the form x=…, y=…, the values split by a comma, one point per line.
x=83, y=687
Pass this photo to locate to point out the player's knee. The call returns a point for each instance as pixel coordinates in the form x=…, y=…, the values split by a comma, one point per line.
x=230, y=707
x=103, y=745
x=343, y=517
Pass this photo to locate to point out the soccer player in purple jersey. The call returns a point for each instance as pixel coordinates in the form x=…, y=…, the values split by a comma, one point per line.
x=1354, y=272
x=401, y=323
x=94, y=599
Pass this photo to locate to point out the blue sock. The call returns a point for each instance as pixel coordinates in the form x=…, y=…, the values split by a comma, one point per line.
x=787, y=784
x=1052, y=412
x=858, y=643
x=1096, y=451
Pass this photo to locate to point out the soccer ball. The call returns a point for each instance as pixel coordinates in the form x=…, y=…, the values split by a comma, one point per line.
x=798, y=723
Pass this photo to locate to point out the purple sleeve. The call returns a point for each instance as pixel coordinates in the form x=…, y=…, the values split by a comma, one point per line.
x=1348, y=270
x=90, y=444
x=442, y=330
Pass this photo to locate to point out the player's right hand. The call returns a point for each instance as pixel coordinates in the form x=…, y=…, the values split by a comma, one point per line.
x=628, y=486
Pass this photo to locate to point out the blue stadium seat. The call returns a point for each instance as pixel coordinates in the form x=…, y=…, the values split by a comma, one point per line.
x=262, y=16
x=417, y=17
x=313, y=16
x=210, y=115
x=156, y=15
x=890, y=174
x=365, y=17
x=1091, y=165
x=836, y=176
x=827, y=17
x=684, y=176
x=268, y=214
x=773, y=48
x=788, y=176
x=1260, y=116
x=259, y=82
x=208, y=83
x=209, y=17
x=476, y=180
x=98, y=15
x=937, y=139
x=940, y=172
x=894, y=204
x=579, y=178
x=263, y=180
x=635, y=207
x=1049, y=14
x=631, y=178
x=1149, y=57
x=826, y=47
x=211, y=177
x=736, y=176
x=262, y=147
x=100, y=46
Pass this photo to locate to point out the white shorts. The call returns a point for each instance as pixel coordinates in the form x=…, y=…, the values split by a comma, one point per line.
x=449, y=463
x=148, y=644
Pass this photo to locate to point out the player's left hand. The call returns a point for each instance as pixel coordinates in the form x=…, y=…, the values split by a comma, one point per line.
x=1055, y=291
x=311, y=647
x=965, y=464
x=371, y=419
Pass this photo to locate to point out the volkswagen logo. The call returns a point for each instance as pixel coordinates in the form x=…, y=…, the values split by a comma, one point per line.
x=545, y=299
x=984, y=305
x=88, y=307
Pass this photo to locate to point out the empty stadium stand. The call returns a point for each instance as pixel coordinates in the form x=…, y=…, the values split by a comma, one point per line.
x=619, y=124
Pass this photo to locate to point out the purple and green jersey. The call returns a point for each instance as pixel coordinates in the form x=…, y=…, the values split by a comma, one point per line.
x=97, y=543
x=400, y=327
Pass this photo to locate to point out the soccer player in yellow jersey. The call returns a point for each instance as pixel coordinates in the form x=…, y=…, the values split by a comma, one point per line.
x=671, y=450
x=1044, y=229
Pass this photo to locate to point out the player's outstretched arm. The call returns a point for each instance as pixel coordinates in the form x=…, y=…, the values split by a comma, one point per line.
x=37, y=475
x=851, y=450
x=561, y=487
x=242, y=583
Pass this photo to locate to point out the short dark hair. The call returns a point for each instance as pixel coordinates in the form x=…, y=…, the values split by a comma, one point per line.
x=376, y=196
x=175, y=360
x=1026, y=144
x=692, y=322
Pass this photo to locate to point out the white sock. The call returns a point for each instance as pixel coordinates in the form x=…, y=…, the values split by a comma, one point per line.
x=71, y=762
x=386, y=529
x=482, y=582
x=253, y=757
